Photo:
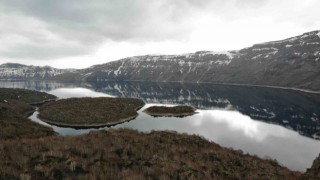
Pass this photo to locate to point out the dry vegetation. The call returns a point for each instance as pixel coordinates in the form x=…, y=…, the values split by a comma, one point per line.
x=314, y=171
x=176, y=111
x=27, y=96
x=10, y=108
x=88, y=112
x=19, y=127
x=128, y=154
x=13, y=113
x=15, y=125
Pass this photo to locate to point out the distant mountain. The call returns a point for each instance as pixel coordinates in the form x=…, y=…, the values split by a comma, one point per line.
x=15, y=71
x=293, y=62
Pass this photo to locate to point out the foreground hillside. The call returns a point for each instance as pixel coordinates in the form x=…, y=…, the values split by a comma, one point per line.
x=118, y=154
x=293, y=62
x=14, y=109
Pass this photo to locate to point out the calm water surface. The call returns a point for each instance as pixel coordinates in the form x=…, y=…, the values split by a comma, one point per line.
x=270, y=123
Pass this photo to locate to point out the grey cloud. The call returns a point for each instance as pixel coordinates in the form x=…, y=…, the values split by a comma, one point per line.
x=88, y=23
x=80, y=26
x=113, y=19
x=43, y=52
x=251, y=3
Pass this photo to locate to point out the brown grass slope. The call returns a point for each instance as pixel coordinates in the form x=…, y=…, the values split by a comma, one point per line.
x=314, y=171
x=128, y=154
x=13, y=113
x=27, y=96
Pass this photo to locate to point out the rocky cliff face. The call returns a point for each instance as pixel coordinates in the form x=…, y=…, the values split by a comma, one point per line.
x=293, y=62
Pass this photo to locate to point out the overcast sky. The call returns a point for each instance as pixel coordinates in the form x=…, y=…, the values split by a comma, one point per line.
x=80, y=33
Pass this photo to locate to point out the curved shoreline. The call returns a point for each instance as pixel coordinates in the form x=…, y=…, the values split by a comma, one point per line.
x=88, y=126
x=29, y=113
x=42, y=102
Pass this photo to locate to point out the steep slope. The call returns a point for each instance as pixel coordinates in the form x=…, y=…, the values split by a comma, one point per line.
x=292, y=62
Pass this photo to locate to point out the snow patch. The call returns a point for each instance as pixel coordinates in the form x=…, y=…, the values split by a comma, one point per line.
x=88, y=74
x=227, y=53
x=313, y=43
x=31, y=72
x=116, y=87
x=223, y=62
x=257, y=56
x=292, y=39
x=116, y=72
x=281, y=41
x=230, y=55
x=262, y=49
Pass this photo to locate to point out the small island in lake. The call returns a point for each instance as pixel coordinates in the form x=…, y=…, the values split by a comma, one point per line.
x=90, y=112
x=176, y=111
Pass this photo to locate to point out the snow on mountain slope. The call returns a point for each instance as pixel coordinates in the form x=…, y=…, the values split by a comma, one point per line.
x=14, y=71
x=293, y=62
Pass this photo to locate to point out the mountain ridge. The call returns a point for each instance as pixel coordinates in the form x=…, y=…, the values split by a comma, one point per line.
x=292, y=63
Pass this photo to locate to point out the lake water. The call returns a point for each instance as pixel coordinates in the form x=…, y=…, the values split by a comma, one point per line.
x=270, y=123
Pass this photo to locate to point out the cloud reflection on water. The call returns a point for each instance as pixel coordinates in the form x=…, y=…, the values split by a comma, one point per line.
x=76, y=92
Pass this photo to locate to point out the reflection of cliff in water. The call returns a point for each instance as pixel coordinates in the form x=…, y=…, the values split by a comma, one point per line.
x=35, y=85
x=292, y=109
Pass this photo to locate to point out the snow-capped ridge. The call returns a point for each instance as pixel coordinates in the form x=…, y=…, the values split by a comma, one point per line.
x=150, y=57
x=19, y=71
x=292, y=39
x=11, y=65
